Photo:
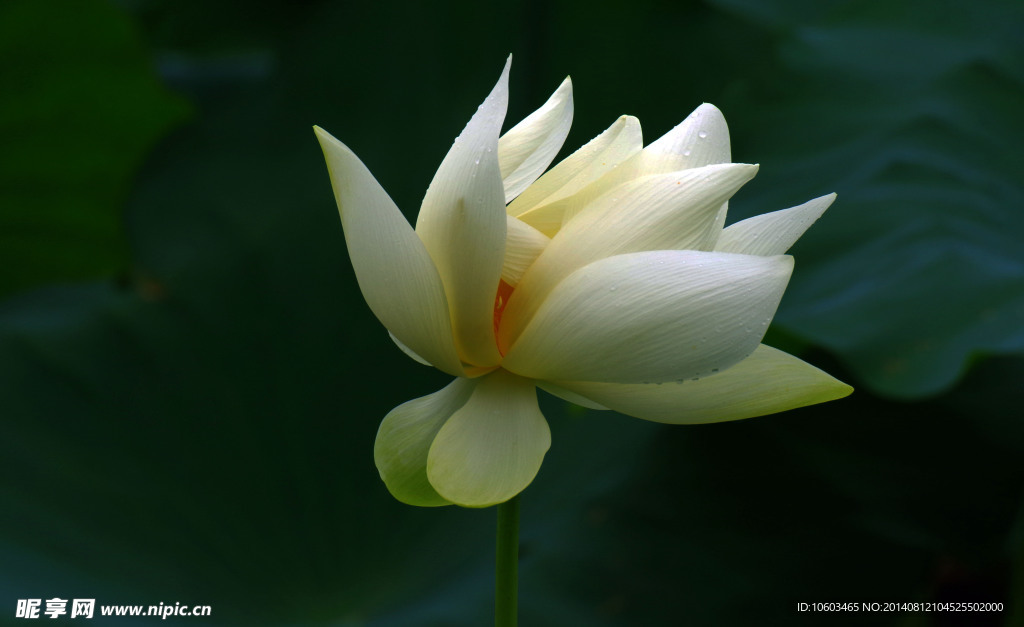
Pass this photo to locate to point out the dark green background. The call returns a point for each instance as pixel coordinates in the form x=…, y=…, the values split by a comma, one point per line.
x=190, y=382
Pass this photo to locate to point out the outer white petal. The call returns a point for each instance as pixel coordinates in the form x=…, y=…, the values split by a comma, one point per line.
x=772, y=233
x=599, y=156
x=651, y=317
x=767, y=382
x=462, y=224
x=699, y=140
x=492, y=447
x=404, y=439
x=523, y=244
x=672, y=211
x=395, y=273
x=526, y=150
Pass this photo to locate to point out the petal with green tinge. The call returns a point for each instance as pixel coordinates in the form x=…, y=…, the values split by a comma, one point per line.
x=526, y=150
x=395, y=273
x=772, y=233
x=651, y=317
x=404, y=439
x=767, y=382
x=462, y=224
x=493, y=446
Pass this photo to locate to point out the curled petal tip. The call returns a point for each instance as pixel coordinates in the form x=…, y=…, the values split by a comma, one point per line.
x=711, y=114
x=325, y=138
x=752, y=168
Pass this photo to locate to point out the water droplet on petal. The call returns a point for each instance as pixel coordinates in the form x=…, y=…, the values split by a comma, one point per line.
x=702, y=134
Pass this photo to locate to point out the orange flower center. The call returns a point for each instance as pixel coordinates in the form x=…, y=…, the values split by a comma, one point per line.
x=500, y=300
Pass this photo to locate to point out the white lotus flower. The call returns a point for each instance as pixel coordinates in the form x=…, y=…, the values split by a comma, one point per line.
x=609, y=281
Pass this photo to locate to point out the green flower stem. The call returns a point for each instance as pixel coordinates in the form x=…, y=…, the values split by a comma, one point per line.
x=506, y=588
